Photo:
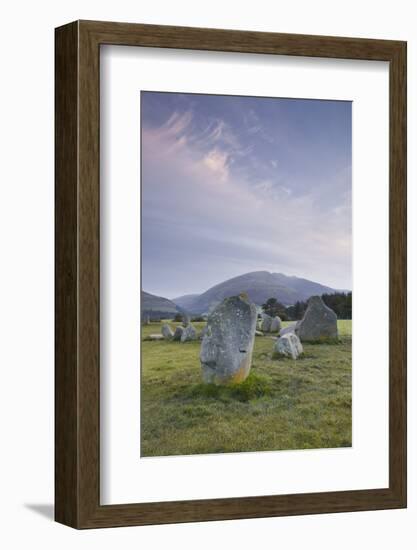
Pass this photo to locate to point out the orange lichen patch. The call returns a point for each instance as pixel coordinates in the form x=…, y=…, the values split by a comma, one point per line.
x=241, y=374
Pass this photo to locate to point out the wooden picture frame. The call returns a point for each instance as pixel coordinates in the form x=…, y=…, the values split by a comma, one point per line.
x=77, y=372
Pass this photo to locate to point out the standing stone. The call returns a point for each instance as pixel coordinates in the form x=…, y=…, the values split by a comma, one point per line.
x=266, y=323
x=226, y=349
x=189, y=333
x=146, y=319
x=319, y=322
x=288, y=345
x=185, y=319
x=275, y=324
x=178, y=333
x=167, y=332
x=203, y=332
x=289, y=329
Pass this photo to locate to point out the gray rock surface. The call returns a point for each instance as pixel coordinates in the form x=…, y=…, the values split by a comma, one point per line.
x=289, y=329
x=258, y=333
x=266, y=323
x=275, y=324
x=319, y=322
x=226, y=349
x=166, y=332
x=288, y=345
x=154, y=337
x=189, y=333
x=203, y=332
x=178, y=333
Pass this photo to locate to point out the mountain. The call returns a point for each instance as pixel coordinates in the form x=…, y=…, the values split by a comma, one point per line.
x=186, y=301
x=157, y=307
x=259, y=285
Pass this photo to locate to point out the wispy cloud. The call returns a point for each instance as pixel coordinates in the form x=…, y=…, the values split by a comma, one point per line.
x=216, y=144
x=254, y=126
x=216, y=161
x=177, y=123
x=206, y=217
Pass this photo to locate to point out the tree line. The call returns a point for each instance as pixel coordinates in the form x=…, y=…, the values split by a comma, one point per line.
x=339, y=302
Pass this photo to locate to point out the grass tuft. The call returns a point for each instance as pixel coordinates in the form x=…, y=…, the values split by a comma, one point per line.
x=254, y=387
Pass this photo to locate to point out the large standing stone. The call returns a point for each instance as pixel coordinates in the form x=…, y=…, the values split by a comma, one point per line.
x=167, y=332
x=203, y=332
x=189, y=333
x=226, y=349
x=275, y=324
x=319, y=322
x=185, y=319
x=178, y=333
x=266, y=323
x=288, y=345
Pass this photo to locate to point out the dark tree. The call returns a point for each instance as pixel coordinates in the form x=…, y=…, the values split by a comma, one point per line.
x=340, y=303
x=296, y=312
x=198, y=319
x=273, y=308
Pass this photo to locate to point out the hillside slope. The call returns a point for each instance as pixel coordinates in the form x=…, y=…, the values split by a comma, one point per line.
x=157, y=307
x=185, y=301
x=259, y=285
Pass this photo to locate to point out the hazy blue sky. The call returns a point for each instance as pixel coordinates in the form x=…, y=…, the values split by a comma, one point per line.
x=237, y=184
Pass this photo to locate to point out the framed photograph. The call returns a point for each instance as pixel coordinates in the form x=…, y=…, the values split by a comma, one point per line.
x=230, y=274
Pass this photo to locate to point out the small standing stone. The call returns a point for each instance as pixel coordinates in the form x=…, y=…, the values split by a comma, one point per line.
x=275, y=324
x=167, y=332
x=288, y=345
x=289, y=329
x=266, y=323
x=185, y=319
x=178, y=333
x=189, y=333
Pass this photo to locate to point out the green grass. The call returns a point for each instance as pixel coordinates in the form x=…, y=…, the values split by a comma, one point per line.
x=283, y=404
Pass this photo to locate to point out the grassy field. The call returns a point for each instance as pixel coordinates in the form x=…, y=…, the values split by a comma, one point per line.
x=283, y=404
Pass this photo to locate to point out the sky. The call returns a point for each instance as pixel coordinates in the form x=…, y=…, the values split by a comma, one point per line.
x=234, y=184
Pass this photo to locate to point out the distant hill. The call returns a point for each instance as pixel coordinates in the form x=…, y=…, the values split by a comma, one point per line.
x=259, y=285
x=185, y=301
x=158, y=307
